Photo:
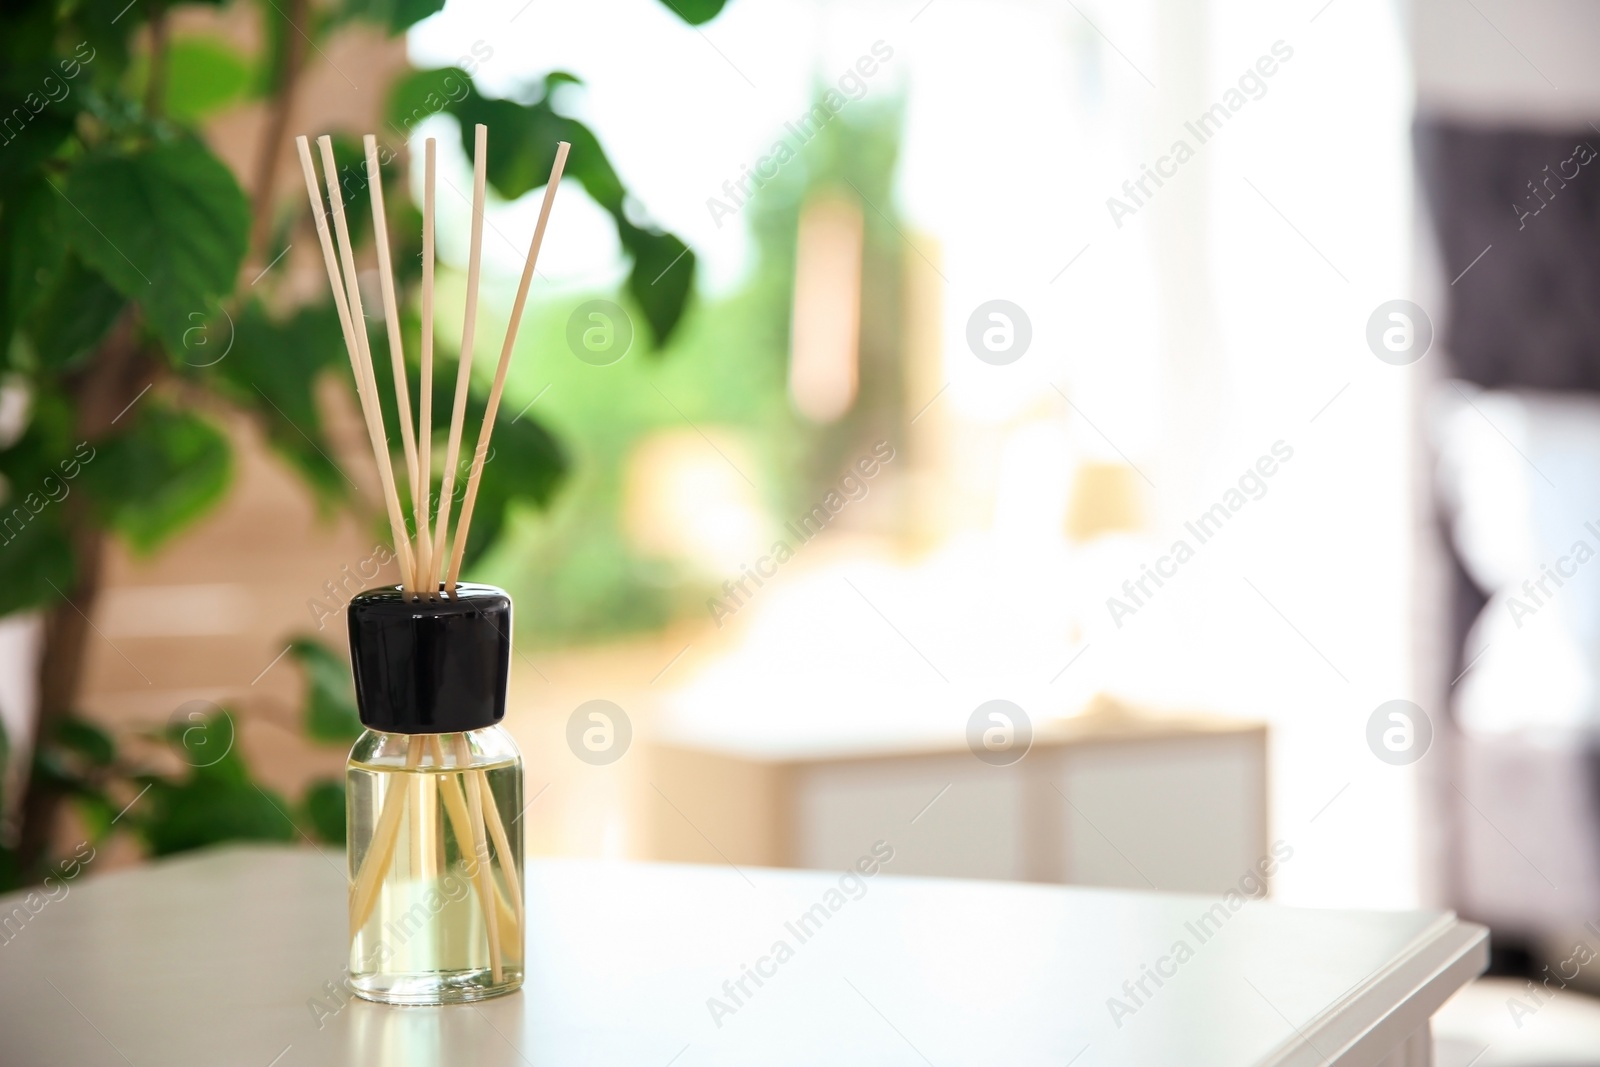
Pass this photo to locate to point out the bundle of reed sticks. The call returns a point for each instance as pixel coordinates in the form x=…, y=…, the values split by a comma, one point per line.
x=427, y=569
x=425, y=565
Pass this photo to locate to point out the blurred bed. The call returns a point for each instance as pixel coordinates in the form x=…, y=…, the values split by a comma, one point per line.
x=1514, y=435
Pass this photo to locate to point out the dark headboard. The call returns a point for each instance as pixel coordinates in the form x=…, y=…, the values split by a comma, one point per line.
x=1526, y=314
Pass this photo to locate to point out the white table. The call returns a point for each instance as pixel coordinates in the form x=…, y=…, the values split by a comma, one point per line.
x=215, y=958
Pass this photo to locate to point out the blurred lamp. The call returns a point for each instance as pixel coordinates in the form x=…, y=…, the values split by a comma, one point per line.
x=684, y=500
x=824, y=338
x=1105, y=499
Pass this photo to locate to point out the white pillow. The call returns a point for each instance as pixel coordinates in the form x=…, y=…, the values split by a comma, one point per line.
x=1519, y=480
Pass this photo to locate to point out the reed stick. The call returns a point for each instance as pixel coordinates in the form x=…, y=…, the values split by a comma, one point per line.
x=502, y=842
x=480, y=851
x=458, y=413
x=335, y=282
x=455, y=804
x=325, y=239
x=391, y=318
x=362, y=364
x=380, y=853
x=425, y=856
x=464, y=524
x=423, y=502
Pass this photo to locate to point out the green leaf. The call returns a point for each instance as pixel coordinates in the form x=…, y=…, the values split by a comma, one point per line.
x=87, y=740
x=524, y=467
x=39, y=99
x=423, y=93
x=526, y=135
x=662, y=277
x=209, y=809
x=51, y=772
x=524, y=140
x=331, y=713
x=203, y=75
x=30, y=33
x=397, y=15
x=75, y=760
x=97, y=813
x=696, y=12
x=588, y=164
x=38, y=475
x=216, y=801
x=30, y=144
x=323, y=810
x=167, y=226
x=166, y=471
x=36, y=561
x=272, y=368
x=74, y=315
x=525, y=462
x=32, y=248
x=106, y=27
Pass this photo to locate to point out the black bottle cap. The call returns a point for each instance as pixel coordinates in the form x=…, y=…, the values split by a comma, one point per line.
x=431, y=666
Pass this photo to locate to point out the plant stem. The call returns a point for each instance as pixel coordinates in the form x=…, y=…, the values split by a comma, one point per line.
x=66, y=638
x=118, y=373
x=291, y=60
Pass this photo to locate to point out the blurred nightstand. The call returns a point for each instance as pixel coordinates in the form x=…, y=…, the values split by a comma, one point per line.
x=1111, y=797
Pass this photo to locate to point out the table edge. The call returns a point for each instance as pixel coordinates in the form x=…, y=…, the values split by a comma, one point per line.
x=1378, y=1013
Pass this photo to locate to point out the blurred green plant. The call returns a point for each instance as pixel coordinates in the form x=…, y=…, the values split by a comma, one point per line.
x=213, y=798
x=575, y=560
x=138, y=309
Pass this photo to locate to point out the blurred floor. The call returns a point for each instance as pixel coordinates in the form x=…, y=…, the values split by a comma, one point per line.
x=1482, y=1027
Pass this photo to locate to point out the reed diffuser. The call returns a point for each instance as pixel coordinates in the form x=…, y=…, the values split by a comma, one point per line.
x=435, y=783
x=435, y=788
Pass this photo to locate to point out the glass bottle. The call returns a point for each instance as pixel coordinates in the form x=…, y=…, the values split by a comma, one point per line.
x=434, y=793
